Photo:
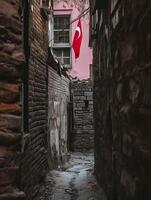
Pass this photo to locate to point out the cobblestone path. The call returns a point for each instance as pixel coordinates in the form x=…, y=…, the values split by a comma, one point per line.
x=74, y=182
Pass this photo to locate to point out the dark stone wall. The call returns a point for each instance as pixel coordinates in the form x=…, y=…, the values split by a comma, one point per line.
x=83, y=127
x=11, y=68
x=122, y=99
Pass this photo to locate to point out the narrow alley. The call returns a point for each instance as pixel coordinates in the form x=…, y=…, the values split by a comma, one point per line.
x=75, y=78
x=73, y=181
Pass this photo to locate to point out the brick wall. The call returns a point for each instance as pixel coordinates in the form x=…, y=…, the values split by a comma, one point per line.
x=45, y=137
x=34, y=162
x=58, y=98
x=11, y=67
x=122, y=97
x=83, y=130
x=26, y=78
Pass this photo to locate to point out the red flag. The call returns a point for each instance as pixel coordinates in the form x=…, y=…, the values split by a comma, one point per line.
x=76, y=44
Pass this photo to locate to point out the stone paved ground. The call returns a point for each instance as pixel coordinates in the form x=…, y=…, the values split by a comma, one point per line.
x=74, y=182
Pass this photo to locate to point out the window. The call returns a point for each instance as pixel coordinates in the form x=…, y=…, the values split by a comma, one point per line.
x=61, y=37
x=63, y=55
x=61, y=29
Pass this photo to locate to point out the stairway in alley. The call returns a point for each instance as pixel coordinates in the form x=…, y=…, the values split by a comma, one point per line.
x=75, y=181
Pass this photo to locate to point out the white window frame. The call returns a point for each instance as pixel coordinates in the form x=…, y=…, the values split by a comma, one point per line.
x=60, y=45
x=62, y=56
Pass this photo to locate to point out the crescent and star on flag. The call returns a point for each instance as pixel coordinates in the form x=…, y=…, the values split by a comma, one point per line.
x=79, y=31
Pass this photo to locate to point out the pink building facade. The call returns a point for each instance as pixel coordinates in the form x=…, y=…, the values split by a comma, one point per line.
x=66, y=11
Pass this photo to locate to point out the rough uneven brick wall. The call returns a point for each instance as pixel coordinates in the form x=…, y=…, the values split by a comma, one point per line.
x=11, y=67
x=122, y=100
x=34, y=162
x=58, y=97
x=83, y=129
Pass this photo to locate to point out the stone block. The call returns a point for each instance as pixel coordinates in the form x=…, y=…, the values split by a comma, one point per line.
x=8, y=175
x=88, y=94
x=5, y=152
x=10, y=122
x=18, y=55
x=9, y=8
x=12, y=24
x=89, y=98
x=79, y=105
x=9, y=92
x=7, y=47
x=3, y=32
x=9, y=72
x=7, y=138
x=10, y=108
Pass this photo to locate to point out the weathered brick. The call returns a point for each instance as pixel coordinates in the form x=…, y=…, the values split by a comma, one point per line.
x=8, y=138
x=11, y=65
x=83, y=135
x=8, y=92
x=10, y=108
x=10, y=122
